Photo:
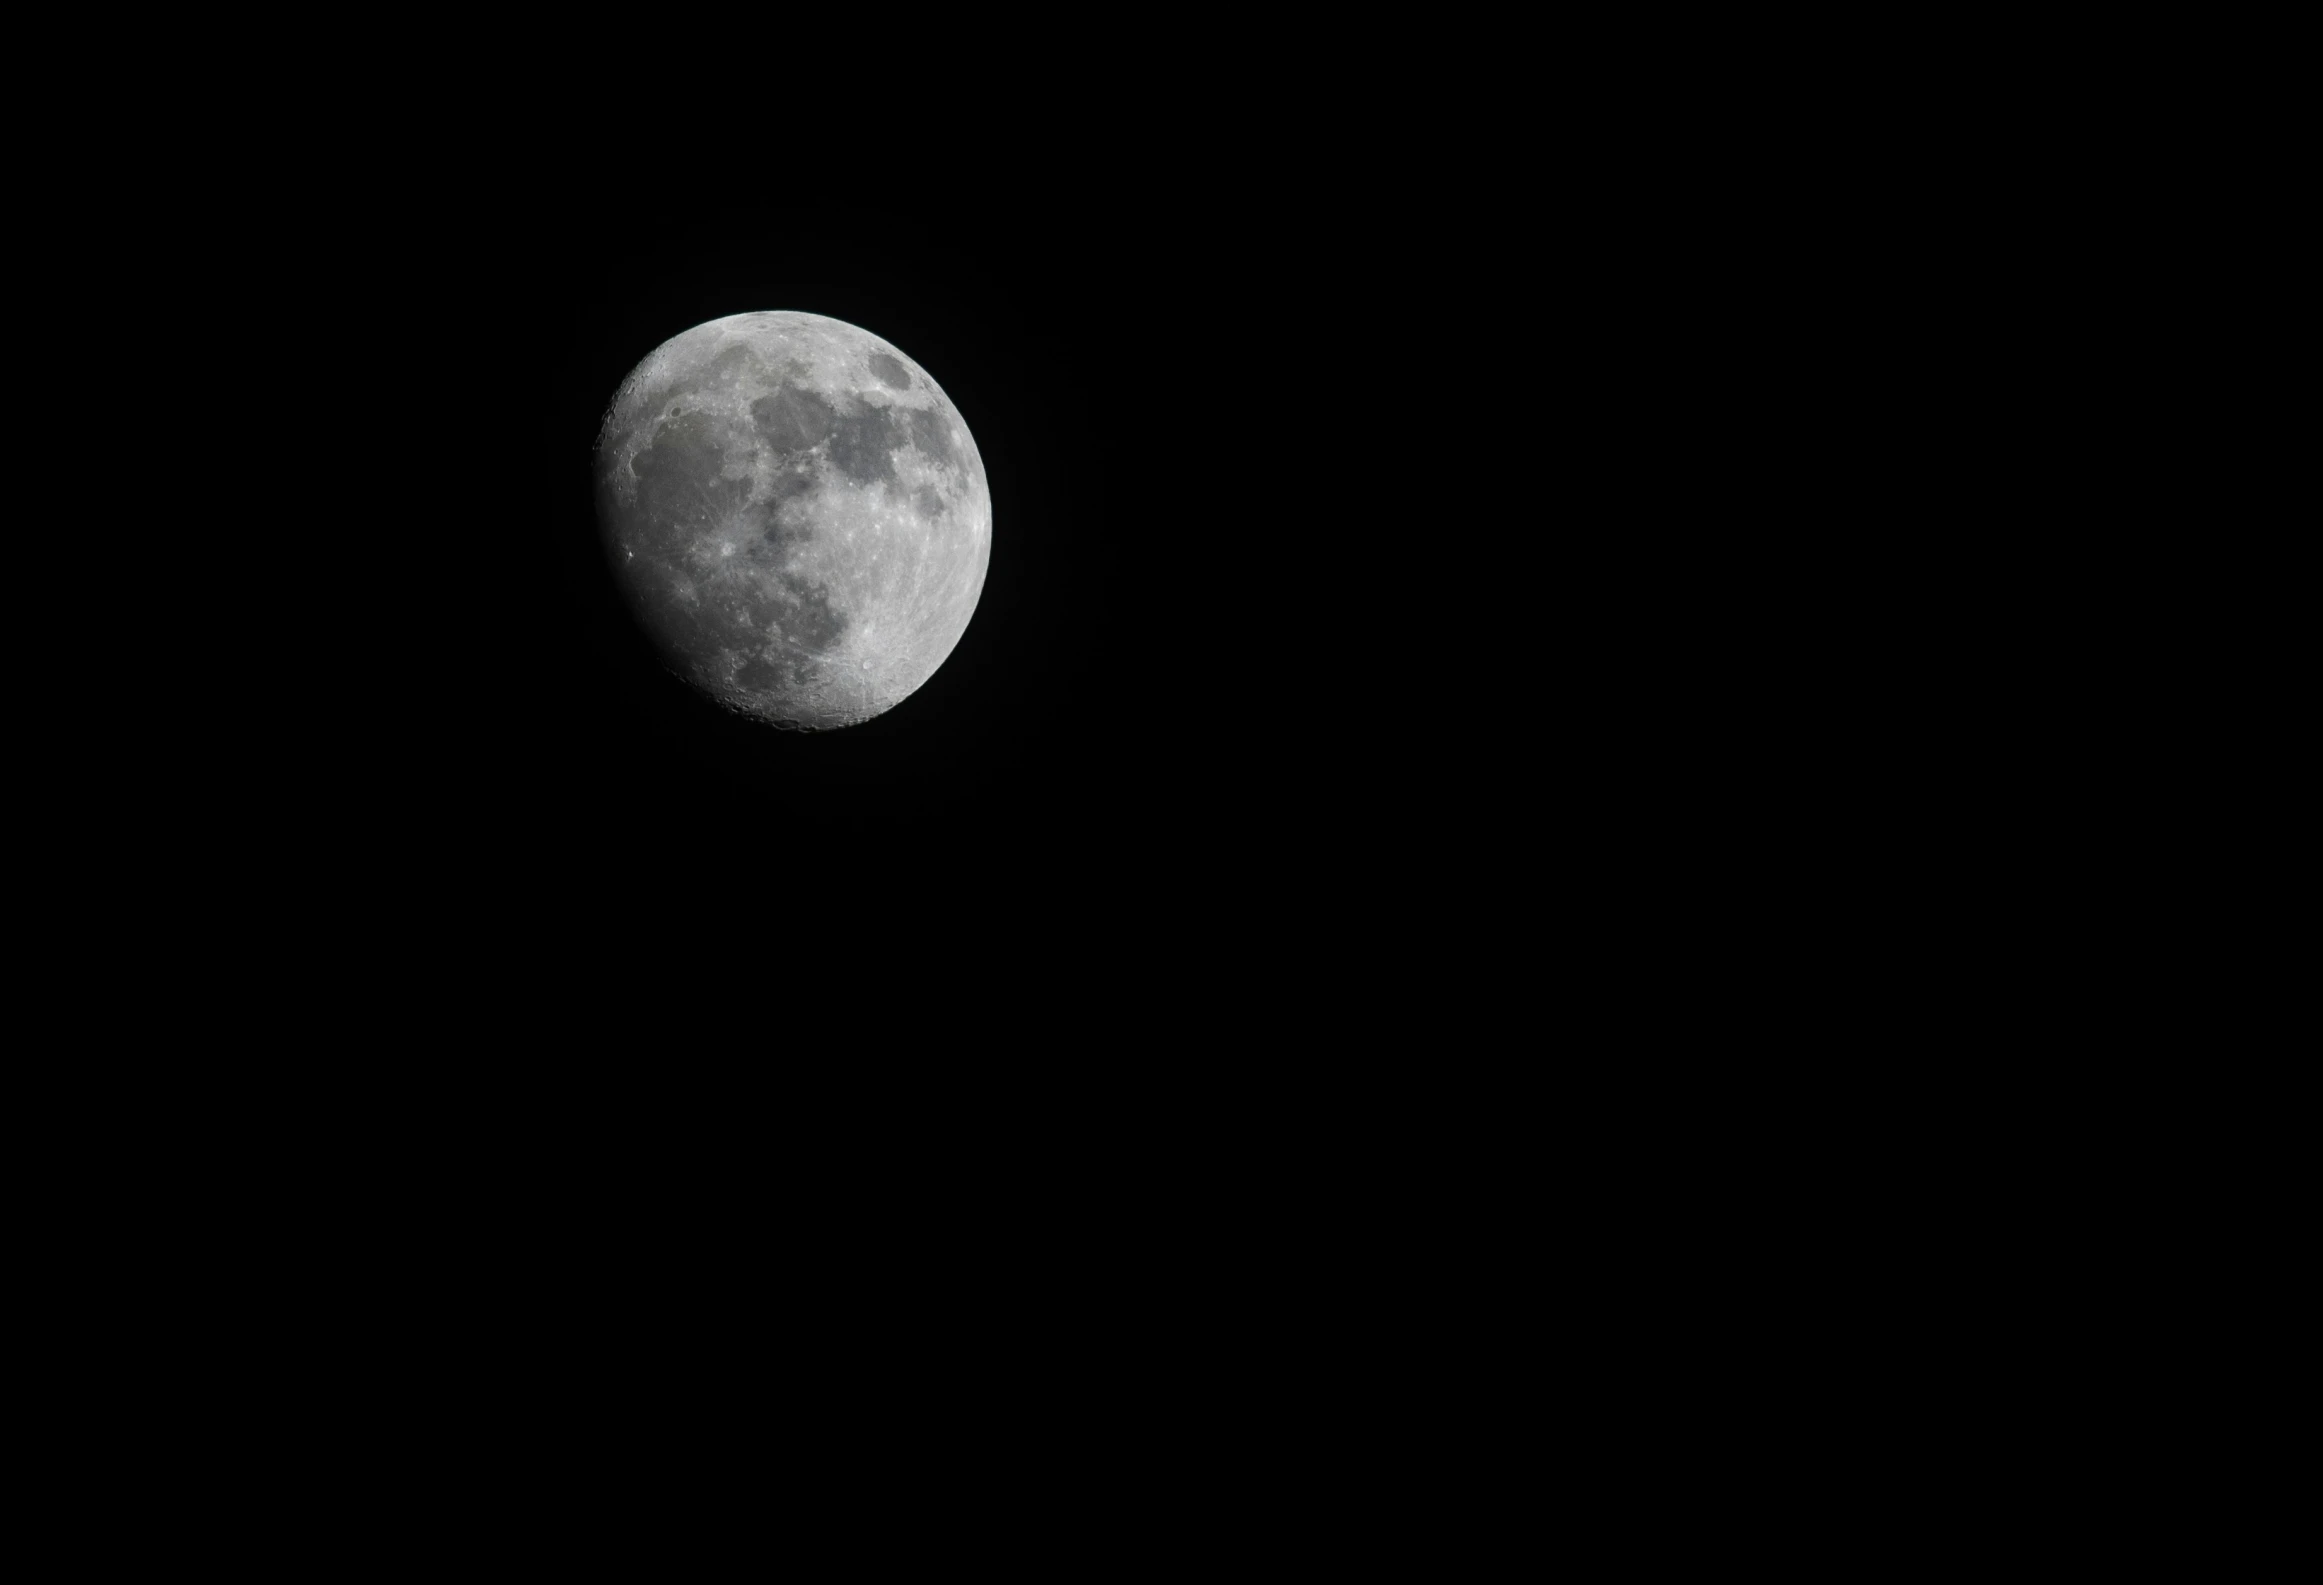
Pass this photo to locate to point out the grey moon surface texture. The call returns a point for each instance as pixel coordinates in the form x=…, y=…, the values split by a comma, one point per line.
x=795, y=514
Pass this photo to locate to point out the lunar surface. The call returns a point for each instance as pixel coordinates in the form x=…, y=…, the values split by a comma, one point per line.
x=795, y=514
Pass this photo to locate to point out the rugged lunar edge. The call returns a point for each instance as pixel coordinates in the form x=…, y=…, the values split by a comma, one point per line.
x=795, y=514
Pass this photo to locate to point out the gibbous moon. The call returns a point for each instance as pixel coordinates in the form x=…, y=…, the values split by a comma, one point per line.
x=795, y=514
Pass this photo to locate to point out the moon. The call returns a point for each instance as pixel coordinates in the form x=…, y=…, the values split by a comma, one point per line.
x=795, y=514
